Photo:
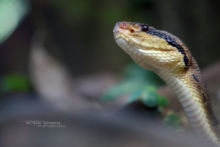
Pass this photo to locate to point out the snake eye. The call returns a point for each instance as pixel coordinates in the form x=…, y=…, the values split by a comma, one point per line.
x=144, y=27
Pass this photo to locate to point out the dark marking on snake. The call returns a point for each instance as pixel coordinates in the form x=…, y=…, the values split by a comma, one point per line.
x=195, y=78
x=204, y=97
x=169, y=40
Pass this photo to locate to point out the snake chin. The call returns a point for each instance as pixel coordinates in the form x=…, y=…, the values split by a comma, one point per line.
x=122, y=44
x=135, y=53
x=127, y=47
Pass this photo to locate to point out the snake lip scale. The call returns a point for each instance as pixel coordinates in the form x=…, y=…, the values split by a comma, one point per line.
x=171, y=60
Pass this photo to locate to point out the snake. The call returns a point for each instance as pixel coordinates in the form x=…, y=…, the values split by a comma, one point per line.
x=167, y=56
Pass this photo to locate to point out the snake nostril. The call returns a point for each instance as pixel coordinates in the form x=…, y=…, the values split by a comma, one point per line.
x=123, y=25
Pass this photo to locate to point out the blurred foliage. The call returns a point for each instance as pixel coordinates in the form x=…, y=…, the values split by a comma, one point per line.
x=11, y=13
x=138, y=83
x=172, y=119
x=77, y=9
x=141, y=84
x=14, y=83
x=149, y=96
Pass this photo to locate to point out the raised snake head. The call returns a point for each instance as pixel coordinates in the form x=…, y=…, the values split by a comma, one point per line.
x=151, y=48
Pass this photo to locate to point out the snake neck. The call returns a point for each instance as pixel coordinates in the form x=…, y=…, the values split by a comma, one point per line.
x=191, y=92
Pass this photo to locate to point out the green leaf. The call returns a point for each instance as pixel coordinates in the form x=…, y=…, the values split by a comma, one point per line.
x=162, y=101
x=136, y=79
x=135, y=95
x=135, y=72
x=14, y=82
x=11, y=13
x=149, y=97
x=124, y=87
x=172, y=119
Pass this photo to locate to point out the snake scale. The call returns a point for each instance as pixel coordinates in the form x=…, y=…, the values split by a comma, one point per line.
x=168, y=57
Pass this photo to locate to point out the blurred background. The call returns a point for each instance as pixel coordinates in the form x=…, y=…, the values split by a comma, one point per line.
x=60, y=56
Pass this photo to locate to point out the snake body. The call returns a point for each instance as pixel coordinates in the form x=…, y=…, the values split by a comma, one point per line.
x=167, y=56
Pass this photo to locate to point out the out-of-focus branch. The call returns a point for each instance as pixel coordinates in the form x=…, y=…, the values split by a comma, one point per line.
x=54, y=83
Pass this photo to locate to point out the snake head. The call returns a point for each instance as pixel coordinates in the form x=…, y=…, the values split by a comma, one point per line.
x=151, y=48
